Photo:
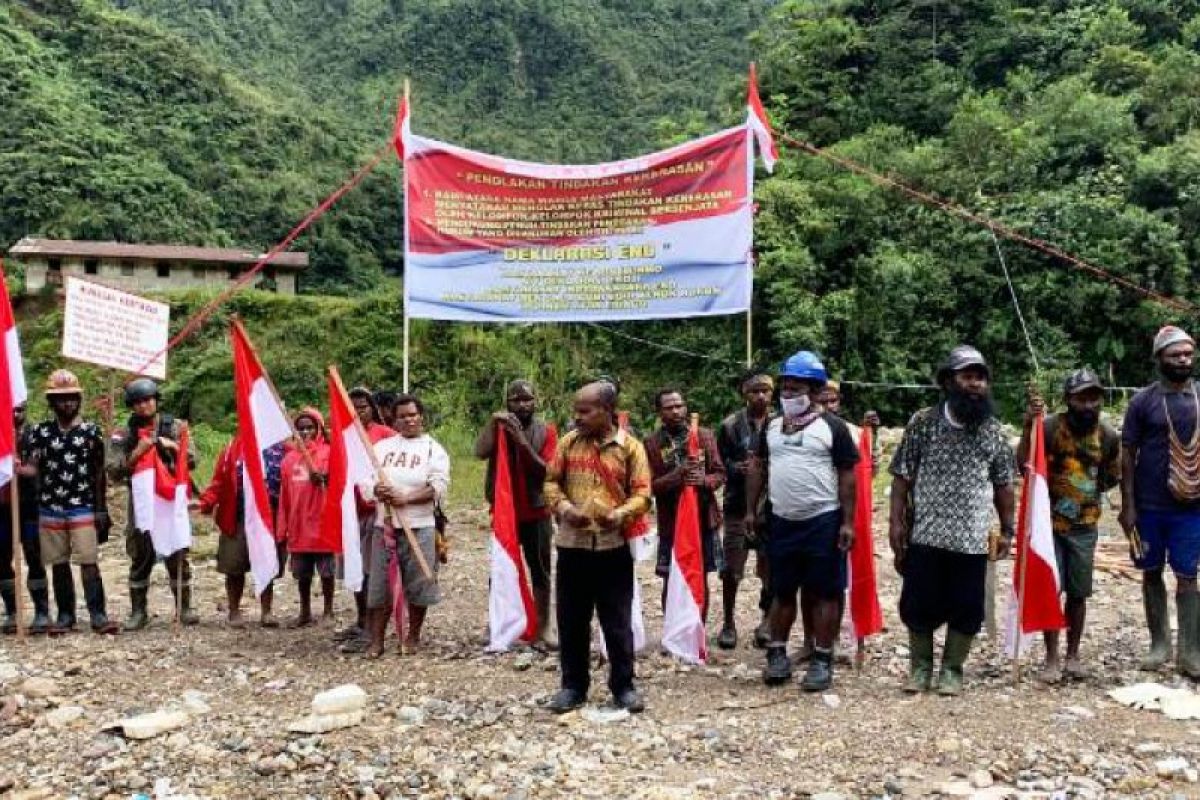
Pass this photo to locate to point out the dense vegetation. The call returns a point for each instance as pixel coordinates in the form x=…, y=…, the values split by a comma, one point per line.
x=219, y=121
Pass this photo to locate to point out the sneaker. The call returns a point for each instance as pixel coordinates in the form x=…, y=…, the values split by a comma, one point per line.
x=779, y=666
x=819, y=675
x=565, y=700
x=630, y=700
x=727, y=639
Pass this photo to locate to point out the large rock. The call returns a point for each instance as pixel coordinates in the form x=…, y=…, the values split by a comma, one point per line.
x=156, y=723
x=38, y=687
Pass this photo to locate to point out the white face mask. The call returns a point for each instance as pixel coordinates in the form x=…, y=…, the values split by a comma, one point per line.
x=795, y=406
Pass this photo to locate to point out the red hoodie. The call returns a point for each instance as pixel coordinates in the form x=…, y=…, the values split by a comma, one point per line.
x=301, y=500
x=220, y=498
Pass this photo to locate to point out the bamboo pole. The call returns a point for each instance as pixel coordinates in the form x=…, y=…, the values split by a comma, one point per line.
x=18, y=550
x=397, y=517
x=300, y=444
x=404, y=309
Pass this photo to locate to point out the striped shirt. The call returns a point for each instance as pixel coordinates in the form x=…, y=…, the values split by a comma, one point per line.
x=612, y=474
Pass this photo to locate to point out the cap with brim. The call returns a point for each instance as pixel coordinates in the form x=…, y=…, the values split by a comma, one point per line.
x=1080, y=381
x=1169, y=335
x=962, y=357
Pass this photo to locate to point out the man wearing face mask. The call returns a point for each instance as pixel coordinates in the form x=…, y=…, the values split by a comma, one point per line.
x=1083, y=461
x=805, y=459
x=953, y=464
x=1160, y=497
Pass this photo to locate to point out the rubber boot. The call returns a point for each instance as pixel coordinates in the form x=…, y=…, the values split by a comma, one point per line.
x=93, y=593
x=64, y=598
x=920, y=662
x=1187, y=655
x=41, y=606
x=543, y=640
x=1154, y=600
x=184, y=602
x=8, y=591
x=138, y=618
x=954, y=655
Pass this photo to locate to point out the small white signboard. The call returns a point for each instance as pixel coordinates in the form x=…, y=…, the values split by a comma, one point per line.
x=115, y=329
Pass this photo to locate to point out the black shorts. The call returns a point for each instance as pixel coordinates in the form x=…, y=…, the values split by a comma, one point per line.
x=942, y=587
x=805, y=554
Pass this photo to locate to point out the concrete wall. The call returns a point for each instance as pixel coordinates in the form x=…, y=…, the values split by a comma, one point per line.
x=137, y=275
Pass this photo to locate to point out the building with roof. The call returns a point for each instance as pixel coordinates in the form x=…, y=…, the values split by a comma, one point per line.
x=148, y=267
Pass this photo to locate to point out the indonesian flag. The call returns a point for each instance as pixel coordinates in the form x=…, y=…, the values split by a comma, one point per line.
x=349, y=465
x=865, y=613
x=12, y=383
x=402, y=129
x=511, y=615
x=261, y=424
x=683, y=621
x=759, y=124
x=160, y=498
x=1037, y=607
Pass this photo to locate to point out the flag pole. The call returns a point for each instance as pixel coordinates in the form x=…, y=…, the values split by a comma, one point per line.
x=397, y=517
x=236, y=321
x=404, y=226
x=749, y=336
x=1023, y=560
x=18, y=553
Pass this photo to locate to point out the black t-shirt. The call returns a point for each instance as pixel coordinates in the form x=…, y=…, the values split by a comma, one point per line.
x=66, y=460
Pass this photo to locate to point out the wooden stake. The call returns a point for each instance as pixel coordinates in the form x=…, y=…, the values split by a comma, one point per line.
x=300, y=444
x=397, y=517
x=404, y=308
x=18, y=551
x=1022, y=567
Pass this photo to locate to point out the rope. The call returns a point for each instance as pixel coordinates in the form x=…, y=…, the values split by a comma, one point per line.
x=198, y=319
x=1016, y=303
x=995, y=227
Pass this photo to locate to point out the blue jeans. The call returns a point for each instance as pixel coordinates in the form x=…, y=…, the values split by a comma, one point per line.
x=1171, y=537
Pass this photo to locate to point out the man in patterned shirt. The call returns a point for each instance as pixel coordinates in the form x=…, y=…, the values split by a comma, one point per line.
x=1083, y=456
x=953, y=463
x=68, y=455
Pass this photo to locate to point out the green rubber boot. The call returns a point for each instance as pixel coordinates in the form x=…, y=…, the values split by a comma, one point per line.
x=920, y=662
x=1154, y=600
x=954, y=655
x=1187, y=652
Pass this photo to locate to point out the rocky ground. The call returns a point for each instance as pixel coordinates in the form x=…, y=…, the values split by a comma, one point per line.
x=454, y=722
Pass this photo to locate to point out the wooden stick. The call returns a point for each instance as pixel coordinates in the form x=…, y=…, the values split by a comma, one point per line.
x=300, y=443
x=397, y=517
x=1022, y=567
x=404, y=307
x=18, y=550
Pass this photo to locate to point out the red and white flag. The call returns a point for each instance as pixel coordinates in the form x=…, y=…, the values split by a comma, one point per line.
x=12, y=383
x=349, y=466
x=865, y=613
x=160, y=498
x=683, y=619
x=759, y=124
x=401, y=129
x=511, y=615
x=1034, y=606
x=262, y=424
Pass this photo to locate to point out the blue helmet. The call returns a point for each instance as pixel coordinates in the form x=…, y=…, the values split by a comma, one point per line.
x=806, y=366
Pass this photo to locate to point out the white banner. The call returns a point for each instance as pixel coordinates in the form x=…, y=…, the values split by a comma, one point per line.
x=115, y=329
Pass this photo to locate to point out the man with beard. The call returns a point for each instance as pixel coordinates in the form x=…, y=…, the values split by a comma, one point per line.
x=805, y=459
x=68, y=454
x=598, y=485
x=1160, y=496
x=737, y=440
x=1083, y=461
x=531, y=445
x=671, y=468
x=953, y=462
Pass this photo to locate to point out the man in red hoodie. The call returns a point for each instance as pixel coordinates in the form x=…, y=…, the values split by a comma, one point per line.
x=302, y=496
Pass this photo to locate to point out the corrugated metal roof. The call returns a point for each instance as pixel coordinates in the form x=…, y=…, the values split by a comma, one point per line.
x=155, y=252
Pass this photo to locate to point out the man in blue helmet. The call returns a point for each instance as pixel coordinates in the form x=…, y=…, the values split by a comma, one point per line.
x=953, y=464
x=805, y=459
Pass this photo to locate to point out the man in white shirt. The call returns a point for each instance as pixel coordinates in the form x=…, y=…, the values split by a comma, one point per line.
x=416, y=472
